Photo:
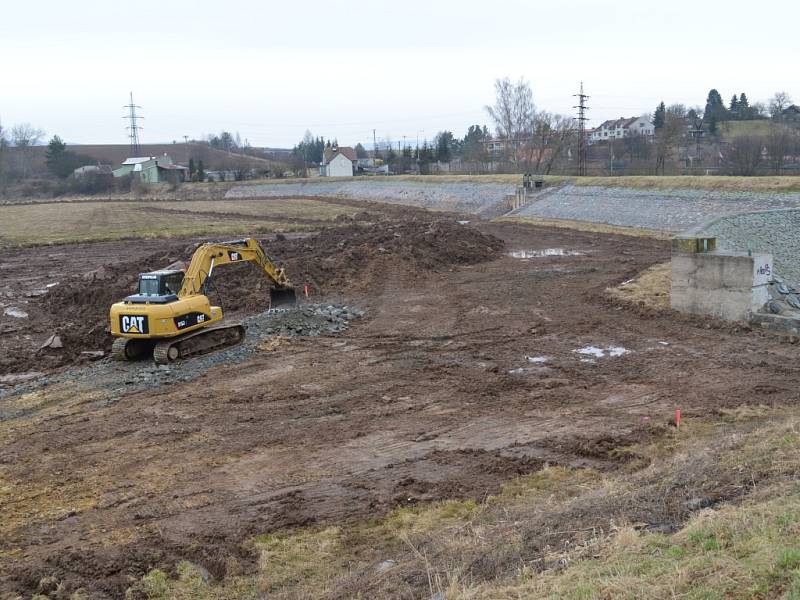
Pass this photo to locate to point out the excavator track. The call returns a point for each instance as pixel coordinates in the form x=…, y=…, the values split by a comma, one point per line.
x=198, y=342
x=130, y=349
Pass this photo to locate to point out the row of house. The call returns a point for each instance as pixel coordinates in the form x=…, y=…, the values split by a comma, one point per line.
x=617, y=129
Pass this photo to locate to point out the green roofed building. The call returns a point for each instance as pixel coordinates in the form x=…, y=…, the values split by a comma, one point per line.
x=153, y=169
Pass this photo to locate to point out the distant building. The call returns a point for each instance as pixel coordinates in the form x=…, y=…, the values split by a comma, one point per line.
x=791, y=113
x=338, y=162
x=617, y=129
x=153, y=169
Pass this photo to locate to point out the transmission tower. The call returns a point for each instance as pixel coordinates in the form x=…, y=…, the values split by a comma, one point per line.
x=582, y=118
x=133, y=128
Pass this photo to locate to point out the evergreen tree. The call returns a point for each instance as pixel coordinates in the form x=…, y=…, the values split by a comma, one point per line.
x=55, y=150
x=743, y=102
x=60, y=161
x=201, y=174
x=715, y=109
x=191, y=167
x=734, y=107
x=444, y=143
x=659, y=115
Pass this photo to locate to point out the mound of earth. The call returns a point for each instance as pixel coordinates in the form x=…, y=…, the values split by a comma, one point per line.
x=338, y=260
x=358, y=256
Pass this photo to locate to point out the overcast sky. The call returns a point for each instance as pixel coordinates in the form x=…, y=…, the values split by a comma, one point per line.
x=272, y=69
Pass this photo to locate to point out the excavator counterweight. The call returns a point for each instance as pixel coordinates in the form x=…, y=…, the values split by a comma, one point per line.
x=171, y=315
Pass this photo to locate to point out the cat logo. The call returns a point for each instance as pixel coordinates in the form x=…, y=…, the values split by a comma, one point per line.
x=133, y=324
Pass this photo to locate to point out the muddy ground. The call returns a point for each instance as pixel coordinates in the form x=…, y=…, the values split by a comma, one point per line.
x=471, y=366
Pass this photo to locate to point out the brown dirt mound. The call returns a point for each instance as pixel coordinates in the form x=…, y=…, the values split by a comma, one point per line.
x=356, y=256
x=337, y=260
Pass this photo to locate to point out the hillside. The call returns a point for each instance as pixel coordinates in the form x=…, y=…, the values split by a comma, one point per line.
x=114, y=154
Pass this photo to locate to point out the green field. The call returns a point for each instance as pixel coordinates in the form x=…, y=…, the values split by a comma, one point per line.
x=61, y=222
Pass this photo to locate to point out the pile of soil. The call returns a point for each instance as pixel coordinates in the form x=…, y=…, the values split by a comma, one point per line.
x=357, y=256
x=338, y=260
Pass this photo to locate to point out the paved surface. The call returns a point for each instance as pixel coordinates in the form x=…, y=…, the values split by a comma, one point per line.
x=672, y=210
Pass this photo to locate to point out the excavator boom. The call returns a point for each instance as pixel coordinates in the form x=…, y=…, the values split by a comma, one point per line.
x=211, y=255
x=171, y=315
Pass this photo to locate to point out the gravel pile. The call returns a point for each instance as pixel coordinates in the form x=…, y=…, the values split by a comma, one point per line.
x=119, y=377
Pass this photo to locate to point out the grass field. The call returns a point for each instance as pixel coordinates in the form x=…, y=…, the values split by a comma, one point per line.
x=747, y=548
x=60, y=222
x=759, y=127
x=650, y=182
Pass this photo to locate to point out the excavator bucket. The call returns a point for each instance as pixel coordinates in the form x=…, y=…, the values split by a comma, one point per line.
x=282, y=297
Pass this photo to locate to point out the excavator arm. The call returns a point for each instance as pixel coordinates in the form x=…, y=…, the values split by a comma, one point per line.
x=211, y=255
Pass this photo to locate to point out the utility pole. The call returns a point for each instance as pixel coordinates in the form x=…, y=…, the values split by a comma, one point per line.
x=374, y=145
x=133, y=128
x=582, y=118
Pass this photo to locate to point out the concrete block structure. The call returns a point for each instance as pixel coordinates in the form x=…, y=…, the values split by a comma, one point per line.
x=723, y=284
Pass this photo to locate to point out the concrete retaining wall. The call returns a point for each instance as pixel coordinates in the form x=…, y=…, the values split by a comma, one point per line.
x=726, y=285
x=773, y=231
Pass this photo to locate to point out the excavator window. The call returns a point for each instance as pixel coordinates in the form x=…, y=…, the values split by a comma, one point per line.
x=173, y=283
x=148, y=285
x=160, y=284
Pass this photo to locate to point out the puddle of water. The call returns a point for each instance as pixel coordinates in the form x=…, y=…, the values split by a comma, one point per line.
x=601, y=352
x=463, y=222
x=525, y=254
x=12, y=311
x=537, y=359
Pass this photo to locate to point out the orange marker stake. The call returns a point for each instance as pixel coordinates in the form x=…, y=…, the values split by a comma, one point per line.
x=305, y=290
x=677, y=418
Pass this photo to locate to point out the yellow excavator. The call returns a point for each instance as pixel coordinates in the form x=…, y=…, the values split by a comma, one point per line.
x=171, y=314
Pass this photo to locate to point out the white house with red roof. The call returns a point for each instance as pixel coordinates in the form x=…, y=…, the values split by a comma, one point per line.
x=338, y=162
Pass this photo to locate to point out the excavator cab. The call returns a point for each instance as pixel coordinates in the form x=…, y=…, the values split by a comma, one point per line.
x=157, y=287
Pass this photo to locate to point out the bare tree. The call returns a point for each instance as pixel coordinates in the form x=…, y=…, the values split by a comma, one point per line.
x=679, y=110
x=24, y=137
x=668, y=136
x=3, y=144
x=778, y=103
x=549, y=139
x=778, y=143
x=513, y=112
x=745, y=155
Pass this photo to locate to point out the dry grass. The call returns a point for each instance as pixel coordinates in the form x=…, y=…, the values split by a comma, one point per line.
x=651, y=288
x=564, y=533
x=716, y=183
x=587, y=226
x=494, y=178
x=761, y=127
x=36, y=224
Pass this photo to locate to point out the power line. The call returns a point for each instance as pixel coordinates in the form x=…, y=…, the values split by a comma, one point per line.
x=133, y=128
x=582, y=118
